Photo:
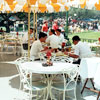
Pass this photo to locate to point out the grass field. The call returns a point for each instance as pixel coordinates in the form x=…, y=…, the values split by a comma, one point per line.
x=86, y=35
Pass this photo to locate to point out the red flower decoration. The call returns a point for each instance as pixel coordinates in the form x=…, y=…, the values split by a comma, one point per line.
x=48, y=53
x=63, y=44
x=99, y=39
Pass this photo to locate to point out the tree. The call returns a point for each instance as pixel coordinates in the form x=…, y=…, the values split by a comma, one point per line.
x=5, y=21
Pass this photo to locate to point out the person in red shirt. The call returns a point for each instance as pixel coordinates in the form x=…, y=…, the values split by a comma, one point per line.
x=45, y=26
x=55, y=25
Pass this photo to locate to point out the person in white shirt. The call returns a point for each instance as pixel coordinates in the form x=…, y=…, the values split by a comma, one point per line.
x=60, y=36
x=52, y=39
x=37, y=46
x=81, y=50
x=25, y=39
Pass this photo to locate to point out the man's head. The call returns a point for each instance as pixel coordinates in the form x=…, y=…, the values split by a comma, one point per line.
x=31, y=30
x=52, y=31
x=55, y=21
x=45, y=21
x=42, y=36
x=76, y=39
x=58, y=31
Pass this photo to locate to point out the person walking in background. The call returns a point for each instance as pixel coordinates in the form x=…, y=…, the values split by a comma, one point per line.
x=55, y=25
x=61, y=27
x=45, y=26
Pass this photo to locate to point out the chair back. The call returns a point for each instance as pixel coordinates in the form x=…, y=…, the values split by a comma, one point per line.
x=19, y=61
x=70, y=75
x=25, y=76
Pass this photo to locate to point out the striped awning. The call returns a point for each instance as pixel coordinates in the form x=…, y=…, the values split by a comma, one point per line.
x=46, y=5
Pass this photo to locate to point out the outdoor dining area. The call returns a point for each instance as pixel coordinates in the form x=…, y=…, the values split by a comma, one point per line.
x=54, y=75
x=45, y=64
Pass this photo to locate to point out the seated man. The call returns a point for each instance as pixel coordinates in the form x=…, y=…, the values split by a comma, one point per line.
x=37, y=46
x=81, y=50
x=53, y=39
x=60, y=36
x=25, y=39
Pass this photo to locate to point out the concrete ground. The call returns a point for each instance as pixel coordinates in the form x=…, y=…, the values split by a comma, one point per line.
x=9, y=82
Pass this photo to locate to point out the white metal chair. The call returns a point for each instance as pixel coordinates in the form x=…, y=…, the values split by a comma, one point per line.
x=10, y=42
x=26, y=79
x=19, y=69
x=32, y=86
x=69, y=82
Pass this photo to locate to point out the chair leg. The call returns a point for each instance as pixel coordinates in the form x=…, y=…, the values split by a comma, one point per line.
x=44, y=94
x=37, y=96
x=20, y=86
x=75, y=91
x=30, y=94
x=84, y=85
x=98, y=95
x=64, y=95
x=7, y=48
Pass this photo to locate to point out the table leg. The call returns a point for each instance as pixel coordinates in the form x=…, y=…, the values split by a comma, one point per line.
x=98, y=95
x=92, y=84
x=84, y=85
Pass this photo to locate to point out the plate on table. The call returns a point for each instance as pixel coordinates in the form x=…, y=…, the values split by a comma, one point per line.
x=61, y=54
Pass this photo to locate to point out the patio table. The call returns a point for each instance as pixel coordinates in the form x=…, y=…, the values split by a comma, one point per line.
x=94, y=44
x=36, y=67
x=88, y=70
x=57, y=68
x=88, y=67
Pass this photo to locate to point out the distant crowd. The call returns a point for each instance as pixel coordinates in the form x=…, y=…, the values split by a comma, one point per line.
x=74, y=26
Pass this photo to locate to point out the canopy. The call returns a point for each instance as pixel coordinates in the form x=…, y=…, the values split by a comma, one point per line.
x=46, y=5
x=37, y=5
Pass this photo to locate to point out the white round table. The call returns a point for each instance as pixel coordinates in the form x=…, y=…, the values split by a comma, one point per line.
x=57, y=68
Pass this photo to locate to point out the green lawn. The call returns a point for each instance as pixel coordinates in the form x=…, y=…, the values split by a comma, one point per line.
x=86, y=35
